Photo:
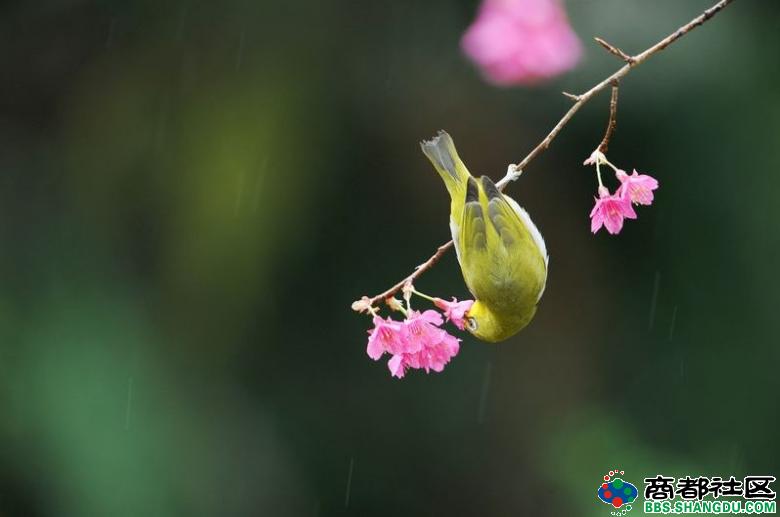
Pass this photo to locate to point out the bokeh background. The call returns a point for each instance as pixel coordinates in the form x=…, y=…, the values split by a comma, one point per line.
x=193, y=193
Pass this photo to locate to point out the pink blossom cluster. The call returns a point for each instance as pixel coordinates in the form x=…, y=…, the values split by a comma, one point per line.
x=521, y=41
x=611, y=209
x=417, y=342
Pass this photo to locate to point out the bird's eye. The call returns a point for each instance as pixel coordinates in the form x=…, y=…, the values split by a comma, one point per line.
x=471, y=323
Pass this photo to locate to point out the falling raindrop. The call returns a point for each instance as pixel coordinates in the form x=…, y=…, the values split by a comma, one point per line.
x=736, y=459
x=349, y=481
x=239, y=193
x=654, y=300
x=484, y=393
x=129, y=402
x=259, y=184
x=671, y=325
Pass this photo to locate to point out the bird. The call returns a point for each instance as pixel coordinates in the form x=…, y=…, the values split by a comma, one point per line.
x=501, y=253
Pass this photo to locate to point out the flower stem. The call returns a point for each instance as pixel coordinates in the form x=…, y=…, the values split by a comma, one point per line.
x=610, y=164
x=423, y=295
x=598, y=173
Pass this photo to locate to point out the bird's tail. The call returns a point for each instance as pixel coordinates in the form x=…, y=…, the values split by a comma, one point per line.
x=440, y=150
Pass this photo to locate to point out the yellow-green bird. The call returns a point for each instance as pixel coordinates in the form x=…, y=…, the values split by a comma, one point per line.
x=500, y=250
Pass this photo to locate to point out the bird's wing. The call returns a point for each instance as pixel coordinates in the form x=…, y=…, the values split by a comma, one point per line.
x=524, y=247
x=501, y=258
x=472, y=237
x=510, y=228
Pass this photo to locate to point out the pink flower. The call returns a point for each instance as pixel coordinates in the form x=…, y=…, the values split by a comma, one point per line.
x=521, y=41
x=637, y=187
x=423, y=329
x=386, y=336
x=609, y=211
x=454, y=311
x=416, y=343
x=436, y=357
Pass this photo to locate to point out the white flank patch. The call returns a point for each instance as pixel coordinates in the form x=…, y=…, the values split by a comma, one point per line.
x=455, y=230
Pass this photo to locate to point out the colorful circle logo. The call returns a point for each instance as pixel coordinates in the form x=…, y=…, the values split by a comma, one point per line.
x=617, y=492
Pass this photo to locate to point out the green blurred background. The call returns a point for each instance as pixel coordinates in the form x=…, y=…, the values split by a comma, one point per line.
x=193, y=193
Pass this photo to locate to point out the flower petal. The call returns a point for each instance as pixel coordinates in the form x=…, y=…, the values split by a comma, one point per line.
x=396, y=366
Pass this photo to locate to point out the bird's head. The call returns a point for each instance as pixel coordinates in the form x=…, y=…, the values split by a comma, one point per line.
x=493, y=327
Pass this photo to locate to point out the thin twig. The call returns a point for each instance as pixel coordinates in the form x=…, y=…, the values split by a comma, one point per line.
x=612, y=120
x=514, y=171
x=614, y=50
x=419, y=270
x=622, y=72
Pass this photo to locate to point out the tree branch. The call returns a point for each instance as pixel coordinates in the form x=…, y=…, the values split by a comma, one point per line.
x=514, y=171
x=612, y=120
x=614, y=50
x=419, y=270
